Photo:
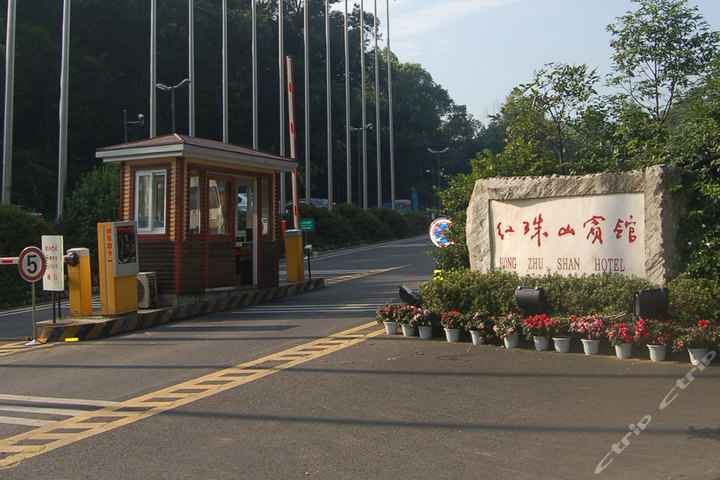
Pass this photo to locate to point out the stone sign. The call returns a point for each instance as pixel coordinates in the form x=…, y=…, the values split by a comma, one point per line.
x=622, y=223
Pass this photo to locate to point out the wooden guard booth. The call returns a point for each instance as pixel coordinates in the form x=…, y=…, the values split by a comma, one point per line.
x=206, y=211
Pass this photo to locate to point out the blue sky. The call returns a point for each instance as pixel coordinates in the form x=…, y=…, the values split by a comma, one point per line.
x=480, y=49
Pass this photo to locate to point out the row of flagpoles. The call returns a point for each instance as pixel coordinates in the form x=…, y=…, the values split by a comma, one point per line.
x=62, y=147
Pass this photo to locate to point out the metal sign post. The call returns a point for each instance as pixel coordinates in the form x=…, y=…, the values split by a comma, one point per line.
x=32, y=264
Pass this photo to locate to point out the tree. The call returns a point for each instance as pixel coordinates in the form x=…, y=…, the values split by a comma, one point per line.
x=661, y=50
x=546, y=109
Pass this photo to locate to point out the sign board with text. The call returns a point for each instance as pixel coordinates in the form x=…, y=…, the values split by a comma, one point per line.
x=53, y=279
x=307, y=224
x=587, y=234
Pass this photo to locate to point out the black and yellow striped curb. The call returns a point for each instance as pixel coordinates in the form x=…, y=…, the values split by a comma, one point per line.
x=91, y=328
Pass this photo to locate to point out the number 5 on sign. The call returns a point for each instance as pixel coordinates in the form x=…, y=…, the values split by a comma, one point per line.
x=32, y=264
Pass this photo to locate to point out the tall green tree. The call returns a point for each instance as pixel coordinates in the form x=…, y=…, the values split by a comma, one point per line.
x=660, y=50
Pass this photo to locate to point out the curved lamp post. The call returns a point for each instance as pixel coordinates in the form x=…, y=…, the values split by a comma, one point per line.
x=172, y=96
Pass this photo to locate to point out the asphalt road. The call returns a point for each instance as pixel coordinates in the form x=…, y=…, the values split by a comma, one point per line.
x=274, y=391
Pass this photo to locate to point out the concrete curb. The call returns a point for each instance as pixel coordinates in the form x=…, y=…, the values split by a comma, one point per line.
x=90, y=328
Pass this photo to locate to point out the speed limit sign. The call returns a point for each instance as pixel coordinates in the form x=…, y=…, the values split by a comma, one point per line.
x=31, y=263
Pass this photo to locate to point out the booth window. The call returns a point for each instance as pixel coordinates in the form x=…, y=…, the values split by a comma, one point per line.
x=218, y=191
x=150, y=201
x=195, y=204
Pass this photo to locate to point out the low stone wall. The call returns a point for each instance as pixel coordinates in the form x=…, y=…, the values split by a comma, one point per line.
x=662, y=213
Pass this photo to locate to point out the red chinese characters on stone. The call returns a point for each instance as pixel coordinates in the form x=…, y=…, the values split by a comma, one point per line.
x=566, y=231
x=622, y=225
x=501, y=232
x=595, y=230
x=537, y=226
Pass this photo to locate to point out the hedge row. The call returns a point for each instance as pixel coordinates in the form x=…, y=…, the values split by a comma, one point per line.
x=493, y=294
x=348, y=224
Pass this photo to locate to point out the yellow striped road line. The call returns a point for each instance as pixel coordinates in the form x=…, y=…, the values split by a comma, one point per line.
x=15, y=449
x=10, y=348
x=345, y=278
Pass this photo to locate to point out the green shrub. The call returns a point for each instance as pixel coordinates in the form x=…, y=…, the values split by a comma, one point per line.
x=418, y=223
x=364, y=225
x=694, y=299
x=20, y=230
x=493, y=293
x=394, y=224
x=605, y=294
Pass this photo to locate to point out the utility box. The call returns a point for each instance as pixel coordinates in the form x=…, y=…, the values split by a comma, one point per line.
x=118, y=262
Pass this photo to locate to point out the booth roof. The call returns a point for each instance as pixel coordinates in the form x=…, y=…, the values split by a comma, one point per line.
x=176, y=145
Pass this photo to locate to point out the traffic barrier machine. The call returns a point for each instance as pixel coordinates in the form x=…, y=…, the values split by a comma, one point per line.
x=79, y=282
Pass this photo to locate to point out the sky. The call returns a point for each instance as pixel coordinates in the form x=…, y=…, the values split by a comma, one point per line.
x=478, y=50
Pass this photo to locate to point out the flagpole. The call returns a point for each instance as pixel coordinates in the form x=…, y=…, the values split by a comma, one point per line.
x=9, y=102
x=390, y=112
x=153, y=68
x=348, y=146
x=329, y=104
x=377, y=112
x=364, y=111
x=307, y=100
x=64, y=83
x=225, y=73
x=254, y=76
x=191, y=67
x=281, y=99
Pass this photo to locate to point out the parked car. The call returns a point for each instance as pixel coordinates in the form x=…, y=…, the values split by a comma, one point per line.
x=29, y=211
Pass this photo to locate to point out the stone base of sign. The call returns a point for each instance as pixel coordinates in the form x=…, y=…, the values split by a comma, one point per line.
x=663, y=210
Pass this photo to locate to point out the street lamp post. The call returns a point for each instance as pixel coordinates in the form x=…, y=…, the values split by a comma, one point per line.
x=172, y=96
x=140, y=121
x=437, y=154
x=358, y=130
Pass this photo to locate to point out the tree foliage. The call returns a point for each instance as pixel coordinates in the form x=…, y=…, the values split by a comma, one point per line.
x=660, y=50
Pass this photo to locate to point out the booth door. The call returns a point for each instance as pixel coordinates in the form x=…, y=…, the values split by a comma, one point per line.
x=219, y=254
x=245, y=231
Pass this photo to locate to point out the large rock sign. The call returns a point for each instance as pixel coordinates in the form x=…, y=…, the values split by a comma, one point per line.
x=623, y=223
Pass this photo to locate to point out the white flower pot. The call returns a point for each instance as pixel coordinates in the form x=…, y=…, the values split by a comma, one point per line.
x=590, y=347
x=541, y=343
x=425, y=332
x=477, y=337
x=511, y=340
x=624, y=350
x=657, y=352
x=697, y=354
x=390, y=328
x=408, y=330
x=562, y=344
x=452, y=334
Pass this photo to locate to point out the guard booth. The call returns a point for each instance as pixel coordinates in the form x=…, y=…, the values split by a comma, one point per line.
x=206, y=211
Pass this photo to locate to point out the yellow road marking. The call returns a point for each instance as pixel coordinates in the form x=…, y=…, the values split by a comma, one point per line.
x=14, y=450
x=10, y=348
x=345, y=278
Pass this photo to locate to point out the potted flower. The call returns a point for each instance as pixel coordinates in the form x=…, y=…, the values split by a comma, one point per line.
x=388, y=315
x=656, y=334
x=508, y=329
x=453, y=322
x=591, y=329
x=697, y=340
x=426, y=320
x=622, y=335
x=481, y=328
x=560, y=333
x=406, y=319
x=537, y=328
